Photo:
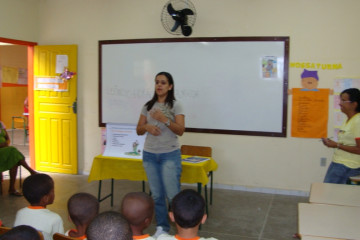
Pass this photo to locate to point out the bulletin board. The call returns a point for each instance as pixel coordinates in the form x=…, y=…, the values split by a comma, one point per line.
x=231, y=85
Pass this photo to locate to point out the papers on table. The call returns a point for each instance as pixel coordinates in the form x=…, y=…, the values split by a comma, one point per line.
x=195, y=159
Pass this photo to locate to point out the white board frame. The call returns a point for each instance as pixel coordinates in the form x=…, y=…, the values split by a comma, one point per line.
x=218, y=80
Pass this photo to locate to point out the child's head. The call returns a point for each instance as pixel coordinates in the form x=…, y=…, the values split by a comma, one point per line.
x=188, y=209
x=23, y=232
x=39, y=189
x=82, y=208
x=109, y=225
x=138, y=209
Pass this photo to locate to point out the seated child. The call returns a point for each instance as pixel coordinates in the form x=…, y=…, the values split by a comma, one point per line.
x=109, y=225
x=188, y=212
x=38, y=190
x=22, y=232
x=82, y=209
x=138, y=210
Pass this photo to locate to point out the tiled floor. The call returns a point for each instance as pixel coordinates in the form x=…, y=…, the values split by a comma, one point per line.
x=233, y=215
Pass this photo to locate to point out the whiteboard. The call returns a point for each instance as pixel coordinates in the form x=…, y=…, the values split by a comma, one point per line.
x=222, y=83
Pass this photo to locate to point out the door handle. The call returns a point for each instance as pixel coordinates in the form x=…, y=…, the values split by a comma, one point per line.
x=74, y=106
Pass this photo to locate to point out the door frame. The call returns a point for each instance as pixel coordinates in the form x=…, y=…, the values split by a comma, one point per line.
x=30, y=66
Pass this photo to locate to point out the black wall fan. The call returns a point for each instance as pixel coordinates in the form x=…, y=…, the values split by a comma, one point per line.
x=178, y=17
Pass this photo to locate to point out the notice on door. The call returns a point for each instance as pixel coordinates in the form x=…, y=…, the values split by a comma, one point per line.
x=50, y=84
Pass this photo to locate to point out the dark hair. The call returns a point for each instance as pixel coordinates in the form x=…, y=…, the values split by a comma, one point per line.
x=354, y=96
x=23, y=232
x=109, y=225
x=136, y=207
x=171, y=95
x=37, y=186
x=82, y=208
x=188, y=207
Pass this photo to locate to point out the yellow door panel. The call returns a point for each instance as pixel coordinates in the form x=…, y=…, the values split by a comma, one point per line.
x=55, y=122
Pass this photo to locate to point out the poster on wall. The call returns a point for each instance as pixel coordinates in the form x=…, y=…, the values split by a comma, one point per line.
x=123, y=141
x=13, y=76
x=22, y=76
x=310, y=113
x=269, y=67
x=310, y=107
x=10, y=75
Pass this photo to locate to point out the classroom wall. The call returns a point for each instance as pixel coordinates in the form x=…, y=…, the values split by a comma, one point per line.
x=323, y=31
x=19, y=19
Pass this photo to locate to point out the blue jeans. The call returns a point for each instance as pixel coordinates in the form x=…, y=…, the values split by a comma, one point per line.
x=339, y=173
x=163, y=171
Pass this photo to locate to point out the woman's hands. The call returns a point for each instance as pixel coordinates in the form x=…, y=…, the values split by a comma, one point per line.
x=144, y=127
x=351, y=149
x=158, y=115
x=177, y=126
x=329, y=143
x=152, y=129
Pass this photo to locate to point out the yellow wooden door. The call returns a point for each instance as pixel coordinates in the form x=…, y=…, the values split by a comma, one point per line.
x=55, y=120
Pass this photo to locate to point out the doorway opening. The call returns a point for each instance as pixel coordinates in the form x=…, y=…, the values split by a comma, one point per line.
x=16, y=64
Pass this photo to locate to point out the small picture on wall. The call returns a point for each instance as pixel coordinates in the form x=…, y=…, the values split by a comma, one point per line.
x=269, y=67
x=22, y=78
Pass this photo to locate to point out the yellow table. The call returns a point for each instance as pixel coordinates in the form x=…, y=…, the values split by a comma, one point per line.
x=104, y=167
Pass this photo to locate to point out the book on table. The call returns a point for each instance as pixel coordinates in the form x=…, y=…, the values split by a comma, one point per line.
x=195, y=159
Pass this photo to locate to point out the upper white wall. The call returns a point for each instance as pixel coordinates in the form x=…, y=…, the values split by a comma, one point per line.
x=323, y=31
x=19, y=19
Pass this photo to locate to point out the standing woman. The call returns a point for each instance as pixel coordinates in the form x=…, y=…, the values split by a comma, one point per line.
x=163, y=118
x=346, y=158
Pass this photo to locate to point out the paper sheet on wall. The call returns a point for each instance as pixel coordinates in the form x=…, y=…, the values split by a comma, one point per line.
x=310, y=111
x=123, y=141
x=270, y=67
x=22, y=80
x=10, y=75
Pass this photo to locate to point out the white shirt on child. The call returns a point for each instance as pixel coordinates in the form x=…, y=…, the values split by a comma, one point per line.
x=143, y=237
x=42, y=219
x=176, y=237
